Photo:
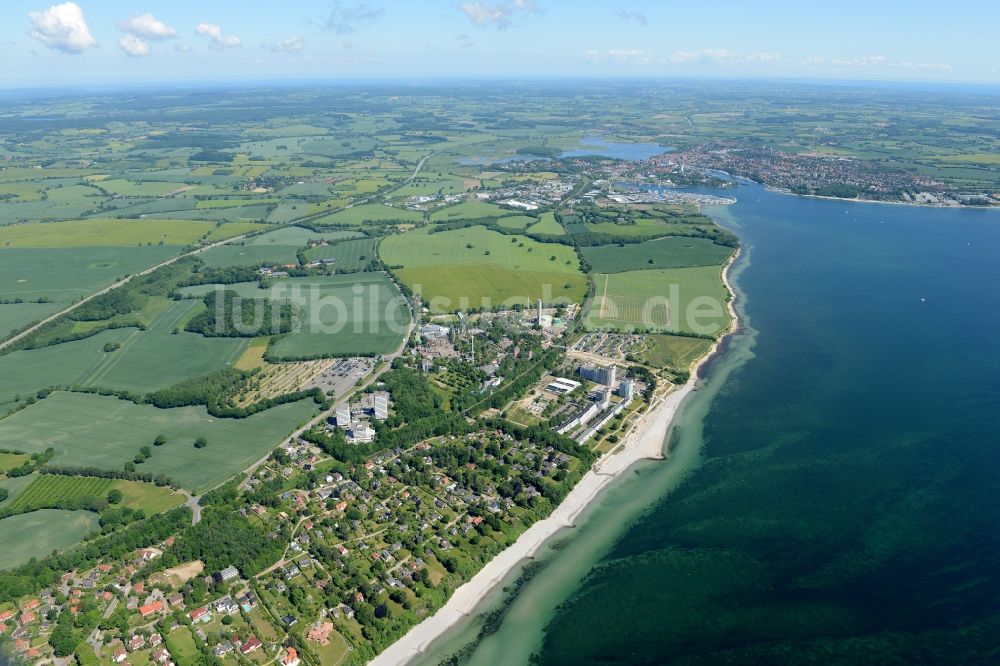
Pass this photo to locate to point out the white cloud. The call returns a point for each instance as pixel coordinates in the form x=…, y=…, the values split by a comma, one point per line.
x=620, y=56
x=62, y=27
x=873, y=61
x=638, y=17
x=711, y=55
x=147, y=26
x=348, y=19
x=500, y=15
x=218, y=40
x=133, y=46
x=723, y=57
x=293, y=44
x=182, y=48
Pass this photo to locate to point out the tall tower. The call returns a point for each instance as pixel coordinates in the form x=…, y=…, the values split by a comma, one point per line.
x=538, y=320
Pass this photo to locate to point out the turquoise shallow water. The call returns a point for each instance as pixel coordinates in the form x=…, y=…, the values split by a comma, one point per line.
x=833, y=496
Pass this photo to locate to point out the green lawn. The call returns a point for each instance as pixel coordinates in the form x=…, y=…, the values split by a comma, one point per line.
x=9, y=461
x=38, y=533
x=669, y=252
x=91, y=430
x=476, y=267
x=182, y=647
x=638, y=300
x=275, y=247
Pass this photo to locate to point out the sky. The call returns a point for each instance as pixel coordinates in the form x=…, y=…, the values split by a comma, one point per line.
x=154, y=42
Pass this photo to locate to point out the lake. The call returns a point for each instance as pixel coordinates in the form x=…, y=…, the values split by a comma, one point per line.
x=832, y=497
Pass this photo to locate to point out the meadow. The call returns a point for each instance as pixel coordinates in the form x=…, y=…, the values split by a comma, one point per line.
x=476, y=265
x=547, y=224
x=14, y=316
x=38, y=533
x=669, y=252
x=638, y=300
x=95, y=431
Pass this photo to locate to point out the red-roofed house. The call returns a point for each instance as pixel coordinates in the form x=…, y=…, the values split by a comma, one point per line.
x=139, y=587
x=149, y=609
x=6, y=615
x=170, y=541
x=252, y=645
x=120, y=655
x=291, y=657
x=27, y=617
x=160, y=656
x=201, y=615
x=31, y=604
x=136, y=642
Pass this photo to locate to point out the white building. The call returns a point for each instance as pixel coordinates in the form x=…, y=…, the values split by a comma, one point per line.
x=380, y=405
x=362, y=433
x=344, y=416
x=560, y=385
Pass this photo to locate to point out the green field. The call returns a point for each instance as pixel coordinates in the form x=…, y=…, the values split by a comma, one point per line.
x=339, y=315
x=643, y=226
x=182, y=647
x=9, y=461
x=27, y=272
x=547, y=224
x=50, y=488
x=273, y=248
x=14, y=316
x=690, y=300
x=90, y=430
x=516, y=221
x=673, y=351
x=146, y=361
x=351, y=255
x=361, y=215
x=110, y=233
x=669, y=252
x=468, y=210
x=38, y=533
x=496, y=269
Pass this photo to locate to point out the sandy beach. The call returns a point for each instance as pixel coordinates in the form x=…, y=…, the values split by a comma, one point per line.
x=645, y=441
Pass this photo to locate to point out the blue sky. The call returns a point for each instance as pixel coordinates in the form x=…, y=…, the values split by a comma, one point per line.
x=155, y=41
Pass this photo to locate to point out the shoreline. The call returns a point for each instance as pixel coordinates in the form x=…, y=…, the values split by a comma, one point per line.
x=645, y=441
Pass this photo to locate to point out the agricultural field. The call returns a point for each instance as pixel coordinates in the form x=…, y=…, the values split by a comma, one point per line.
x=350, y=255
x=38, y=533
x=276, y=247
x=113, y=233
x=547, y=224
x=468, y=210
x=669, y=252
x=92, y=430
x=362, y=216
x=27, y=273
x=477, y=267
x=47, y=489
x=144, y=361
x=14, y=316
x=355, y=314
x=688, y=300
